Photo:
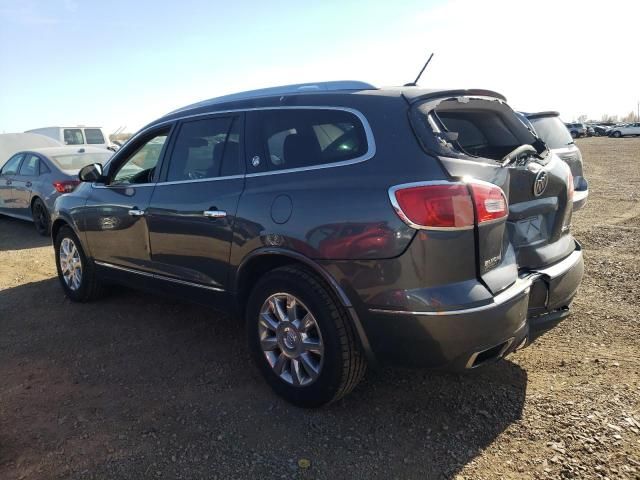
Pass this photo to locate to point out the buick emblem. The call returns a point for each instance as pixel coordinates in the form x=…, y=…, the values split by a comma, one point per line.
x=540, y=183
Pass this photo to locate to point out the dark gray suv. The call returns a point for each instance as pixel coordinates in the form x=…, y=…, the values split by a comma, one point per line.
x=345, y=225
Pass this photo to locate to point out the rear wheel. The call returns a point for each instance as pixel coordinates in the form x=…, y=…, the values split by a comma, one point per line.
x=574, y=134
x=40, y=216
x=302, y=339
x=75, y=271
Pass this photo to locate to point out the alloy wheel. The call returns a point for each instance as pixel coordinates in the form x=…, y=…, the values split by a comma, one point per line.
x=290, y=339
x=70, y=264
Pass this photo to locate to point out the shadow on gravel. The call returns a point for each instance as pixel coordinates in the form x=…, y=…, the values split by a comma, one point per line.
x=19, y=234
x=136, y=386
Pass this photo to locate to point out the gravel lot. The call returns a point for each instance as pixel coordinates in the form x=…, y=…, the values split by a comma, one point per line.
x=137, y=386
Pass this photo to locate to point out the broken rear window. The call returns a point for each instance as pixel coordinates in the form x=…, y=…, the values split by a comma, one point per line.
x=471, y=127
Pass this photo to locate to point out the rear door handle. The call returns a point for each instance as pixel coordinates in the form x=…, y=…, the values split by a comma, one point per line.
x=134, y=212
x=214, y=213
x=28, y=184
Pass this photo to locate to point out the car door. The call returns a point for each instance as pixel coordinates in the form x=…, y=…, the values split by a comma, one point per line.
x=192, y=210
x=8, y=175
x=114, y=216
x=23, y=183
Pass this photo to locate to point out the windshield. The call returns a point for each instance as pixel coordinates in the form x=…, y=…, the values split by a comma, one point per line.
x=75, y=161
x=552, y=131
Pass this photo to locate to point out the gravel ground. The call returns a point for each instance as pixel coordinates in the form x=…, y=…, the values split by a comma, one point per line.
x=136, y=386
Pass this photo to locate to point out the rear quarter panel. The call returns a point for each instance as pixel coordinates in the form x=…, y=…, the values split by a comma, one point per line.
x=341, y=212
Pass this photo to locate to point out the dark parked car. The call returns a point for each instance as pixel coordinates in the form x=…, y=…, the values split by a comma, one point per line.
x=345, y=225
x=576, y=130
x=31, y=180
x=601, y=130
x=552, y=131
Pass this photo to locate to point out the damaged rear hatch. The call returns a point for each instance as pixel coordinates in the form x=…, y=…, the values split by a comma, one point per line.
x=475, y=134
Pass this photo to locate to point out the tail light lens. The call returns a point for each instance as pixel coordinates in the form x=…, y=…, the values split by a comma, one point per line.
x=66, y=186
x=449, y=206
x=490, y=202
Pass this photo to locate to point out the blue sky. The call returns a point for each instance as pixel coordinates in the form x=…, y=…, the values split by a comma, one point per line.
x=124, y=63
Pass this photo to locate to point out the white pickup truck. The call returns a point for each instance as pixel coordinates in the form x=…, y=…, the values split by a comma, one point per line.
x=90, y=136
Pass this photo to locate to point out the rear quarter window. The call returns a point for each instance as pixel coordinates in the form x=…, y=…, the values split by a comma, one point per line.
x=94, y=136
x=299, y=138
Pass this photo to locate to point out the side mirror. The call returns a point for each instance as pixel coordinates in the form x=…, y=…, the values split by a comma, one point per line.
x=91, y=173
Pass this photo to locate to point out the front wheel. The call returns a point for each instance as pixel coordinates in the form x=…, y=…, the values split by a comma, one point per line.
x=302, y=339
x=75, y=271
x=616, y=134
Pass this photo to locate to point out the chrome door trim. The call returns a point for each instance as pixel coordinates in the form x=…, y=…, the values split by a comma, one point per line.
x=214, y=213
x=157, y=277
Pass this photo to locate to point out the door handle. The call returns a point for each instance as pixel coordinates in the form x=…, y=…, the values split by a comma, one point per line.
x=214, y=213
x=28, y=184
x=134, y=212
x=8, y=182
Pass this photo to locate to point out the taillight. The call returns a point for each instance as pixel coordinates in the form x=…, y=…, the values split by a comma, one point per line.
x=490, y=202
x=66, y=186
x=449, y=206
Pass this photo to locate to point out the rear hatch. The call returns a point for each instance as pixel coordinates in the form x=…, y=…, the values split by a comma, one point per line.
x=474, y=136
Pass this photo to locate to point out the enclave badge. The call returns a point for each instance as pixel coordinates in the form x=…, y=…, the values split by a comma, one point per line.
x=540, y=183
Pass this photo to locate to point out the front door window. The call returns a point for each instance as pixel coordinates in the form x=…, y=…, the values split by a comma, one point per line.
x=141, y=166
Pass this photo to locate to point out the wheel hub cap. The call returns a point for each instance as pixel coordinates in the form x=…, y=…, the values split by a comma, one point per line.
x=70, y=264
x=290, y=339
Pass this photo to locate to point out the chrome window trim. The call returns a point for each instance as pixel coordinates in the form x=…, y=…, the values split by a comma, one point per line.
x=370, y=153
x=157, y=277
x=199, y=180
x=123, y=185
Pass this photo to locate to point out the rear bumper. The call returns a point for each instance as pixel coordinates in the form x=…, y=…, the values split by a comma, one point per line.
x=469, y=337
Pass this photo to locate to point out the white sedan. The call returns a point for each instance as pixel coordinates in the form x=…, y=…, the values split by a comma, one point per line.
x=624, y=130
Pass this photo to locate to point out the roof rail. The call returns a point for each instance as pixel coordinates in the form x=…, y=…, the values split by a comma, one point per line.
x=283, y=90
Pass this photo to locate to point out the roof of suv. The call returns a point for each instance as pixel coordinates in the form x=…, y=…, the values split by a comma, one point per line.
x=265, y=96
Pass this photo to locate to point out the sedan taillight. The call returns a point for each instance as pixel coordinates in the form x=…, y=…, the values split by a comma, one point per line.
x=66, y=186
x=448, y=205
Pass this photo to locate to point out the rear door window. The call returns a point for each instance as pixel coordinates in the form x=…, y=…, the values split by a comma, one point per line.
x=73, y=136
x=30, y=166
x=302, y=138
x=206, y=148
x=94, y=136
x=11, y=167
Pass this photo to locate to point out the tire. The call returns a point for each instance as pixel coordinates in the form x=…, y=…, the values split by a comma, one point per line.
x=574, y=134
x=41, y=218
x=86, y=287
x=616, y=134
x=335, y=371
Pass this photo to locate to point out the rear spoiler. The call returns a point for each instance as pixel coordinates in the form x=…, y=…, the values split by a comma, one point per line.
x=418, y=95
